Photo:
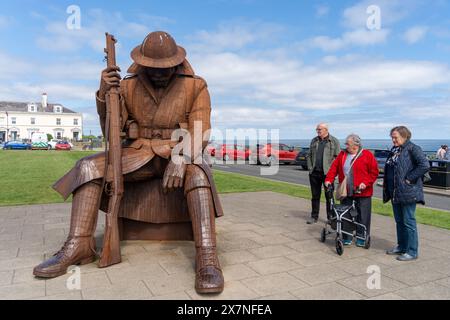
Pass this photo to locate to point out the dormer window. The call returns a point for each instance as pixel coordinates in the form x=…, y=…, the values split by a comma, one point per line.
x=32, y=107
x=58, y=109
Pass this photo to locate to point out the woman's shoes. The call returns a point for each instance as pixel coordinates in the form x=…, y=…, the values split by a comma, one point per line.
x=360, y=243
x=406, y=257
x=347, y=242
x=395, y=251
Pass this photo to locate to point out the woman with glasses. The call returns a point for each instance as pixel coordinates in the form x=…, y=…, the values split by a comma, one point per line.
x=403, y=186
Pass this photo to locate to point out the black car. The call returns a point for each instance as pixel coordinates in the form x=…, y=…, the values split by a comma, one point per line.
x=381, y=156
x=300, y=160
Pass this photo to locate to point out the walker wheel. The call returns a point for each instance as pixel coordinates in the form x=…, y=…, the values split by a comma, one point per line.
x=339, y=246
x=323, y=235
x=367, y=244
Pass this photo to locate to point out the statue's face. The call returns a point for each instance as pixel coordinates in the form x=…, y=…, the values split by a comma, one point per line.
x=160, y=77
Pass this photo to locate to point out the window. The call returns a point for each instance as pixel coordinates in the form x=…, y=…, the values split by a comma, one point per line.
x=32, y=108
x=33, y=120
x=58, y=135
x=58, y=121
x=13, y=120
x=75, y=122
x=58, y=109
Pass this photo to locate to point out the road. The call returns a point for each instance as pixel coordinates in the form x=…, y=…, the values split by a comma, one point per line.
x=294, y=174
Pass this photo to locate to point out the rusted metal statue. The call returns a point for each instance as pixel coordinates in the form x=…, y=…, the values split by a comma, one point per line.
x=161, y=94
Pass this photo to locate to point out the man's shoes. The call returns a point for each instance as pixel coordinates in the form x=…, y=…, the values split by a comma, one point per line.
x=76, y=250
x=311, y=220
x=208, y=277
x=360, y=243
x=406, y=257
x=394, y=251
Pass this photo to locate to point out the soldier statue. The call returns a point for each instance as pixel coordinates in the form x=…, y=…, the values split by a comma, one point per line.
x=161, y=94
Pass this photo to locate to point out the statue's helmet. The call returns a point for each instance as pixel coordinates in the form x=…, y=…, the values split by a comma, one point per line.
x=158, y=50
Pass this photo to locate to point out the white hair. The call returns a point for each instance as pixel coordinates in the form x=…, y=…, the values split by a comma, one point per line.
x=355, y=138
x=325, y=125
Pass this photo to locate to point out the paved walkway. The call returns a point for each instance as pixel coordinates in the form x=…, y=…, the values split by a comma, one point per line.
x=266, y=250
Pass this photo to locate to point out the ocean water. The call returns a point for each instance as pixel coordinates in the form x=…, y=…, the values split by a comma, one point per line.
x=428, y=145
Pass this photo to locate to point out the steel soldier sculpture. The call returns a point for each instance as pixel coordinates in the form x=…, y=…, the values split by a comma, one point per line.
x=161, y=94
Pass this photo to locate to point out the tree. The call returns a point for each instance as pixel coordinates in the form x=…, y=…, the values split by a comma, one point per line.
x=49, y=137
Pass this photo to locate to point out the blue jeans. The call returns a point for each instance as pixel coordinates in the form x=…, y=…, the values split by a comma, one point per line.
x=407, y=237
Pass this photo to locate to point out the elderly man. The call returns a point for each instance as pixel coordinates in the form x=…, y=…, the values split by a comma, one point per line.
x=322, y=151
x=161, y=95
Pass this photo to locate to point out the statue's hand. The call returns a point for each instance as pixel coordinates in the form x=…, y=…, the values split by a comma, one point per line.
x=110, y=78
x=173, y=176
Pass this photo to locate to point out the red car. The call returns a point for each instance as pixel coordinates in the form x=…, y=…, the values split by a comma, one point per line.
x=62, y=145
x=272, y=152
x=232, y=152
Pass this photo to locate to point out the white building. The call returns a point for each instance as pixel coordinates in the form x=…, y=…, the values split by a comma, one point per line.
x=19, y=120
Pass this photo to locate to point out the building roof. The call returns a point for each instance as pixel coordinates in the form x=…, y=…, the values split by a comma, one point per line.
x=23, y=107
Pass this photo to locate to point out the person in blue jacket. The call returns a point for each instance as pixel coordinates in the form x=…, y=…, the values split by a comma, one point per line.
x=403, y=186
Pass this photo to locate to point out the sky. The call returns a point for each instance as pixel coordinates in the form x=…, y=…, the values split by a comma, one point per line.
x=284, y=65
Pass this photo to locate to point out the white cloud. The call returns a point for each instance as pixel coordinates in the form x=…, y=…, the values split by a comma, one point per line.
x=391, y=11
x=336, y=84
x=234, y=35
x=360, y=37
x=322, y=10
x=415, y=34
x=12, y=66
x=94, y=23
x=239, y=116
x=58, y=92
x=74, y=70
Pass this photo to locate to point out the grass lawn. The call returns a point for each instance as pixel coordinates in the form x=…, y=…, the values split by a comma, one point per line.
x=26, y=177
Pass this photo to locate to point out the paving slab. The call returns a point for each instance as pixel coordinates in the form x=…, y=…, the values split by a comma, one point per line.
x=265, y=247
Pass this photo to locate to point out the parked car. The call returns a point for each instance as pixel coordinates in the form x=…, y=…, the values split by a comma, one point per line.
x=232, y=152
x=300, y=160
x=211, y=149
x=381, y=156
x=63, y=145
x=52, y=144
x=254, y=154
x=273, y=152
x=16, y=145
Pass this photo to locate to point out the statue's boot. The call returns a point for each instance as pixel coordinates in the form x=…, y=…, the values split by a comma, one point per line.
x=79, y=247
x=208, y=277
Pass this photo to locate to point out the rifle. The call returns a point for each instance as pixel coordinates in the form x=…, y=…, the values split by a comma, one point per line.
x=113, y=179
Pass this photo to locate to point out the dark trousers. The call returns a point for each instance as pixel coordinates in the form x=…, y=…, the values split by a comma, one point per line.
x=364, y=210
x=317, y=180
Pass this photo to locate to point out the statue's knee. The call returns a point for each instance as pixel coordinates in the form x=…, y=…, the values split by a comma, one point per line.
x=195, y=178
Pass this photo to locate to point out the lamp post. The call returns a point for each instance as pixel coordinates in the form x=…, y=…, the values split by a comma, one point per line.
x=7, y=126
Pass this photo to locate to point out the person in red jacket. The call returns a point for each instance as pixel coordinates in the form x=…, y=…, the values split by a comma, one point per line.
x=361, y=177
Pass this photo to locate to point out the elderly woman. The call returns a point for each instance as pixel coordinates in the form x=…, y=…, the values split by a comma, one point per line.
x=403, y=185
x=361, y=169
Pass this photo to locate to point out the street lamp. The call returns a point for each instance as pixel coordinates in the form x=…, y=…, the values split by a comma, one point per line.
x=7, y=126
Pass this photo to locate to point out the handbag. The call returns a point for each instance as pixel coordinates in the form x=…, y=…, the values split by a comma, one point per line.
x=341, y=191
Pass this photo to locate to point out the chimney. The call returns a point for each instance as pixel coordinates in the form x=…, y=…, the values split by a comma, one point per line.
x=44, y=101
